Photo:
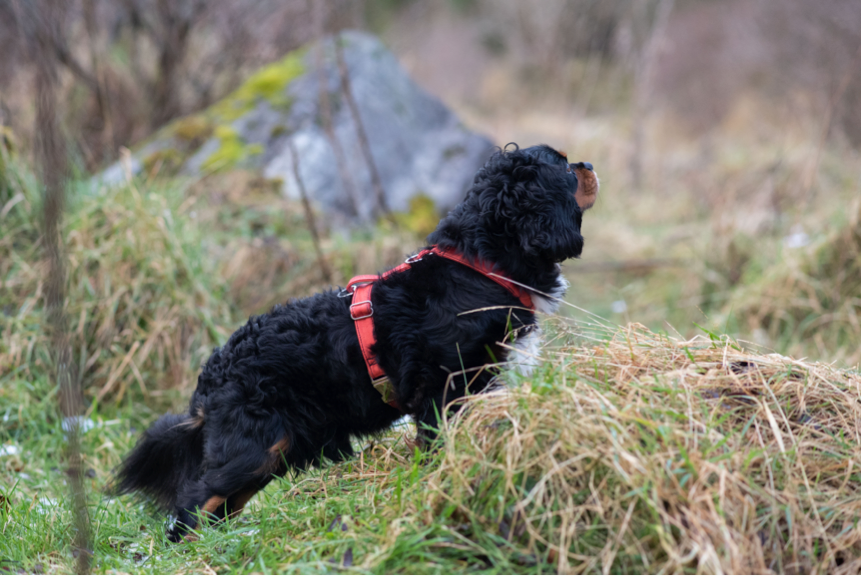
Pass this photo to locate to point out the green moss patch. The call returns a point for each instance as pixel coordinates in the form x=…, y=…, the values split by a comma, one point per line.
x=232, y=151
x=194, y=128
x=267, y=83
x=421, y=216
x=278, y=130
x=184, y=136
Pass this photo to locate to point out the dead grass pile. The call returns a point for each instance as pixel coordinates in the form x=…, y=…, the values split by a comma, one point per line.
x=647, y=454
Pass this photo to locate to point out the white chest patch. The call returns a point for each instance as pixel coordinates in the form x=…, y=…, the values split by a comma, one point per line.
x=525, y=357
x=550, y=305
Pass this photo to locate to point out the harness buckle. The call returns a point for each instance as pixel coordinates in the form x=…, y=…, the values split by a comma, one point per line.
x=364, y=310
x=384, y=387
x=415, y=258
x=345, y=292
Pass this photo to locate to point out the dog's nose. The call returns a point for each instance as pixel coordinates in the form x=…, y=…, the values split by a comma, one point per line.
x=586, y=165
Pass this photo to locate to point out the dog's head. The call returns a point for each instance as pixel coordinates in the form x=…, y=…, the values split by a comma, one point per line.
x=527, y=201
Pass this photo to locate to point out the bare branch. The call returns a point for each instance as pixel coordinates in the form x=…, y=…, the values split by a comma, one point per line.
x=309, y=214
x=319, y=24
x=382, y=205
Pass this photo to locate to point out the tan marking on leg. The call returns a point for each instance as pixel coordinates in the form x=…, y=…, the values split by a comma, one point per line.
x=240, y=500
x=275, y=455
x=280, y=446
x=213, y=503
x=209, y=506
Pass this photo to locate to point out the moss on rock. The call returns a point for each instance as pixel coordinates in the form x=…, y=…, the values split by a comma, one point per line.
x=278, y=130
x=190, y=132
x=267, y=83
x=421, y=217
x=232, y=150
x=166, y=161
x=193, y=129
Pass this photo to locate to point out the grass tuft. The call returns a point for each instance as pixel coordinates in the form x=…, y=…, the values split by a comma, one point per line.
x=809, y=295
x=159, y=274
x=649, y=454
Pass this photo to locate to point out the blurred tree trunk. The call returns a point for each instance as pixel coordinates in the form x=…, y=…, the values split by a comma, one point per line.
x=42, y=25
x=101, y=91
x=51, y=154
x=176, y=19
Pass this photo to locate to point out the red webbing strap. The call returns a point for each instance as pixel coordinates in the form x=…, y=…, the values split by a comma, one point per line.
x=362, y=312
x=520, y=293
x=368, y=278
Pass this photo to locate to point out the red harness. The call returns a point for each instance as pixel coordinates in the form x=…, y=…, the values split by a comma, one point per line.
x=362, y=313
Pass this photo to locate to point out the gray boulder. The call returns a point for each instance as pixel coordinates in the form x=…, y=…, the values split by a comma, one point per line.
x=418, y=146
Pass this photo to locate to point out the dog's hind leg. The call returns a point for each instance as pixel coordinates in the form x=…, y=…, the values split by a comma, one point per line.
x=237, y=501
x=223, y=490
x=274, y=465
x=339, y=448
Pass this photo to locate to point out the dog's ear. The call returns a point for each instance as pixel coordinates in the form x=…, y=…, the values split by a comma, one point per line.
x=588, y=185
x=555, y=239
x=502, y=186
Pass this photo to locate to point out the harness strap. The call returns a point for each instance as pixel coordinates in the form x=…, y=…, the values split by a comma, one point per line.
x=362, y=312
x=518, y=292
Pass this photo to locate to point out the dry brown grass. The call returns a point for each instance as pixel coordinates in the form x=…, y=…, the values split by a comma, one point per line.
x=656, y=455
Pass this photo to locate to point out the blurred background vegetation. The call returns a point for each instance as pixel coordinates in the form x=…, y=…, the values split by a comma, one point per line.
x=726, y=135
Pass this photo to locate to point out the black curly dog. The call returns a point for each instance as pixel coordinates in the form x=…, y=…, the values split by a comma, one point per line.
x=291, y=387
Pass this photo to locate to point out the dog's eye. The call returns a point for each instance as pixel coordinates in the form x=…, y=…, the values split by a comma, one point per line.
x=568, y=168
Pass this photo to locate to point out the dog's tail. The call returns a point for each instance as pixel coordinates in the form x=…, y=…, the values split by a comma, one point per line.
x=168, y=456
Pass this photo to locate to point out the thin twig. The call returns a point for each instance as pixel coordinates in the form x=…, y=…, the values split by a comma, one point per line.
x=319, y=22
x=309, y=214
x=364, y=145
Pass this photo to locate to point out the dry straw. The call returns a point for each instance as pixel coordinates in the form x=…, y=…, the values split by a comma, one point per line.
x=650, y=454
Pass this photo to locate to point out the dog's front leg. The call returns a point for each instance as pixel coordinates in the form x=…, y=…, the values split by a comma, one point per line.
x=428, y=422
x=428, y=417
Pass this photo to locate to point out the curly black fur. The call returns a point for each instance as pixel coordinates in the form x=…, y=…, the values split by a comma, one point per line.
x=290, y=387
